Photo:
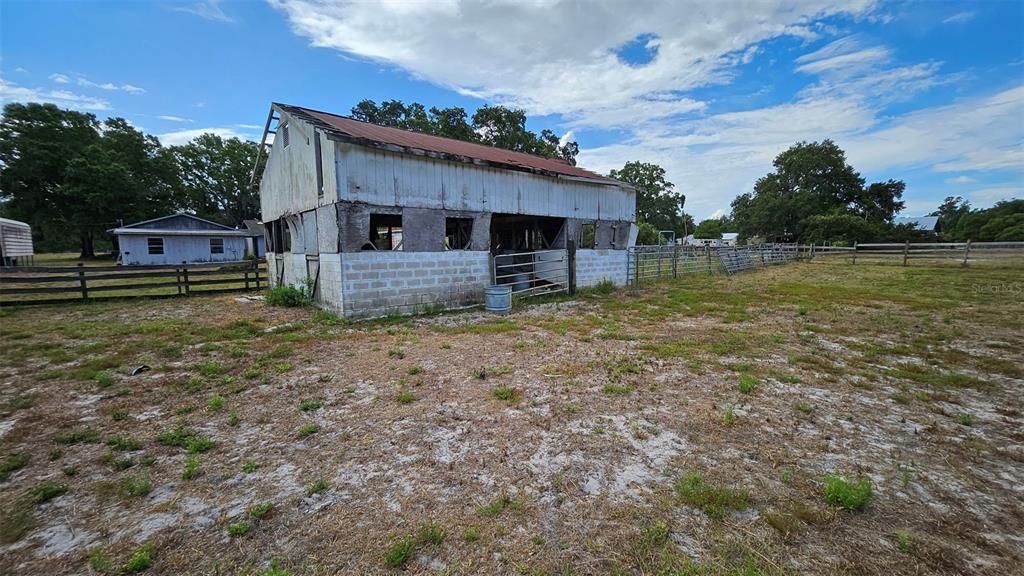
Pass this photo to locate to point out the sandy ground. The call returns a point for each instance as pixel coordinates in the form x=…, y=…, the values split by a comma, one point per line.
x=608, y=401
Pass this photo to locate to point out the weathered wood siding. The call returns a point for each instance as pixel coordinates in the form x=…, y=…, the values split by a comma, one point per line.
x=392, y=179
x=289, y=183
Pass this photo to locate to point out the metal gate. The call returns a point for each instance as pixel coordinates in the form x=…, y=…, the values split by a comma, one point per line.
x=532, y=273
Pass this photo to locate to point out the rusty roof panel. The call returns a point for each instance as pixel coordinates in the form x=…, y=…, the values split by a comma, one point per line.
x=457, y=149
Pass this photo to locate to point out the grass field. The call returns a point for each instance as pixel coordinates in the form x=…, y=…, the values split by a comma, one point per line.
x=812, y=418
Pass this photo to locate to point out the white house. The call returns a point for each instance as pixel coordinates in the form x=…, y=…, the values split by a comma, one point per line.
x=384, y=220
x=179, y=238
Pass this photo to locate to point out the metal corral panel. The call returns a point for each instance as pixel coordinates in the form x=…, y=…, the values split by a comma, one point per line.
x=15, y=238
x=391, y=179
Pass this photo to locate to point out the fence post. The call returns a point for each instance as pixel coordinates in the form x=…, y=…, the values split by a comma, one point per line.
x=811, y=257
x=854, y=252
x=257, y=267
x=675, y=261
x=184, y=272
x=246, y=272
x=906, y=251
x=967, y=251
x=570, y=265
x=81, y=282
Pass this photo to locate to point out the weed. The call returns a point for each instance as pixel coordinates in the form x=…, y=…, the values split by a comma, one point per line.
x=317, y=487
x=308, y=430
x=804, y=407
x=250, y=467
x=471, y=534
x=396, y=353
x=99, y=561
x=132, y=486
x=309, y=405
x=715, y=501
x=14, y=524
x=259, y=511
x=55, y=454
x=509, y=395
x=124, y=443
x=140, y=560
x=446, y=346
x=430, y=534
x=69, y=471
x=537, y=540
x=655, y=534
x=848, y=495
x=233, y=418
x=499, y=505
x=104, y=378
x=405, y=397
x=186, y=438
x=288, y=296
x=119, y=414
x=282, y=367
x=46, y=491
x=191, y=467
x=238, y=529
x=13, y=462
x=85, y=436
x=399, y=553
x=617, y=389
x=216, y=403
x=903, y=541
x=211, y=368
x=275, y=569
x=414, y=370
x=729, y=416
x=252, y=373
x=747, y=383
x=965, y=419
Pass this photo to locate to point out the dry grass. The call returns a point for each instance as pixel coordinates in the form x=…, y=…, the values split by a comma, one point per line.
x=582, y=437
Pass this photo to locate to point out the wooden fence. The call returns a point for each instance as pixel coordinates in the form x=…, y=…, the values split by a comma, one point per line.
x=55, y=284
x=961, y=252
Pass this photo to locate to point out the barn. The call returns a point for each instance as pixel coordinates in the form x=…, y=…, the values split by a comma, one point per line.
x=179, y=238
x=380, y=220
x=15, y=243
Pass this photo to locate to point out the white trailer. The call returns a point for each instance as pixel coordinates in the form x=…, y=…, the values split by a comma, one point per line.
x=15, y=243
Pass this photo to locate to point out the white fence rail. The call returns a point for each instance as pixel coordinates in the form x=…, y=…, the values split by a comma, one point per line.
x=532, y=273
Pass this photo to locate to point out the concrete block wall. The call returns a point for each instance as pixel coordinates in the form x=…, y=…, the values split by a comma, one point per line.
x=376, y=283
x=329, y=287
x=593, y=266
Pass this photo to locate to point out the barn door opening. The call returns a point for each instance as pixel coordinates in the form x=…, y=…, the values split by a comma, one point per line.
x=518, y=233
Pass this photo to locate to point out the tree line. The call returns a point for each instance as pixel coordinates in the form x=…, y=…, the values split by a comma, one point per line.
x=72, y=176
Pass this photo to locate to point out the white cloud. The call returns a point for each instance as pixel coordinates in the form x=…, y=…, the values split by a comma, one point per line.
x=556, y=57
x=717, y=214
x=21, y=70
x=960, y=17
x=250, y=126
x=83, y=81
x=208, y=9
x=989, y=196
x=170, y=118
x=10, y=92
x=179, y=137
x=845, y=55
x=960, y=180
x=60, y=78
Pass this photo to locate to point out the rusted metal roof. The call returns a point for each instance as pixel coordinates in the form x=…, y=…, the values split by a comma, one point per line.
x=364, y=133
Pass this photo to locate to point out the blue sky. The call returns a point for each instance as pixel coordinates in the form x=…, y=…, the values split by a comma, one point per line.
x=929, y=92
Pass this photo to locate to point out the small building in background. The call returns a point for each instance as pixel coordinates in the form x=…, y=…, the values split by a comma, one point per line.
x=15, y=243
x=730, y=238
x=256, y=243
x=179, y=238
x=926, y=224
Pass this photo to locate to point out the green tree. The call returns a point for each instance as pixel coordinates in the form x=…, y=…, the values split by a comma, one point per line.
x=214, y=176
x=491, y=125
x=1000, y=223
x=711, y=228
x=811, y=179
x=657, y=202
x=949, y=213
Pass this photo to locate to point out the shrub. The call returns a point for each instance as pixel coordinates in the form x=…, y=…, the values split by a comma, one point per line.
x=258, y=511
x=309, y=405
x=238, y=529
x=317, y=487
x=399, y=553
x=851, y=496
x=11, y=463
x=216, y=403
x=191, y=467
x=140, y=560
x=47, y=491
x=308, y=430
x=431, y=534
x=510, y=395
x=289, y=296
x=471, y=534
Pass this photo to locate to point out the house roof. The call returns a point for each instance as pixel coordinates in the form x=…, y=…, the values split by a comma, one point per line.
x=254, y=227
x=923, y=223
x=418, y=143
x=14, y=222
x=146, y=228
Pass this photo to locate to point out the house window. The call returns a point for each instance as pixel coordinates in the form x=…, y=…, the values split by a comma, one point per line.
x=588, y=235
x=458, y=233
x=285, y=140
x=319, y=165
x=385, y=232
x=155, y=245
x=216, y=245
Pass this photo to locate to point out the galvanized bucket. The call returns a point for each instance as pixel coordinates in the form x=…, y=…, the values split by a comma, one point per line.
x=498, y=299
